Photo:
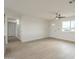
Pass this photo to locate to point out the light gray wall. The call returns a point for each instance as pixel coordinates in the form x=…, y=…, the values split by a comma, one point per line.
x=32, y=28
x=56, y=31
x=5, y=30
x=18, y=31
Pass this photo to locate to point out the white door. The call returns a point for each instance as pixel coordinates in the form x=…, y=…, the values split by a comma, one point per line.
x=11, y=29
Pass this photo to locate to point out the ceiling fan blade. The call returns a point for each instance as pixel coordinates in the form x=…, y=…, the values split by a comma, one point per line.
x=62, y=17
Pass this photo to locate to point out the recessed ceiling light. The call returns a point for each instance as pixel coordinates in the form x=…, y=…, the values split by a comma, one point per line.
x=56, y=18
x=53, y=24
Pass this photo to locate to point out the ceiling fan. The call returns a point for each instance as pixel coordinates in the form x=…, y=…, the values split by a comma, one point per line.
x=59, y=16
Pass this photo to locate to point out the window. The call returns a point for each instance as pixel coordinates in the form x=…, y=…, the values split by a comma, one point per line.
x=68, y=25
x=72, y=25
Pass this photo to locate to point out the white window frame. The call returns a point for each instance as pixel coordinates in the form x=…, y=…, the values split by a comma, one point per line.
x=69, y=29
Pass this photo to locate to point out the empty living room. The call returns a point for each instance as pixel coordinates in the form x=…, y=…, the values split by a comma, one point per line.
x=39, y=29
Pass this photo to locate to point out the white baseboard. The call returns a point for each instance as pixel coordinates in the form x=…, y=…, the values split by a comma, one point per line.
x=34, y=39
x=62, y=39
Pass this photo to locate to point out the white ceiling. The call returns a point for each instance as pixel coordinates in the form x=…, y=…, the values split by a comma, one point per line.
x=41, y=8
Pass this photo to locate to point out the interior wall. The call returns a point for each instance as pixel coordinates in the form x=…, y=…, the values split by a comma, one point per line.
x=18, y=30
x=33, y=28
x=56, y=30
x=5, y=30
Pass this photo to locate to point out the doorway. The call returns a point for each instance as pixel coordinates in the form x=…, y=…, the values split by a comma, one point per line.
x=12, y=29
